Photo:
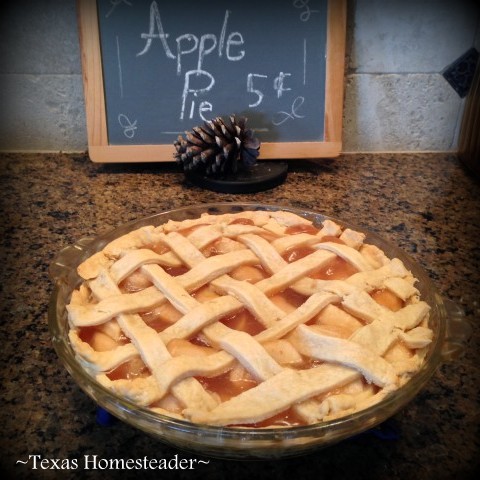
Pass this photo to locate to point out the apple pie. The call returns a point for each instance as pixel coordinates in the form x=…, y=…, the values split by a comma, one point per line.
x=257, y=318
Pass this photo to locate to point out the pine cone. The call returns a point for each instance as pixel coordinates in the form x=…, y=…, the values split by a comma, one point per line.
x=218, y=147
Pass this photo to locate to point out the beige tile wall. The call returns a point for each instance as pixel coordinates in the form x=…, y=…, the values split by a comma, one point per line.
x=395, y=98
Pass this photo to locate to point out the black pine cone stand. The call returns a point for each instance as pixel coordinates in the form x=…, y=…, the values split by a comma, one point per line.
x=261, y=176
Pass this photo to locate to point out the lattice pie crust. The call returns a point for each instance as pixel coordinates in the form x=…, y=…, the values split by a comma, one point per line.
x=255, y=318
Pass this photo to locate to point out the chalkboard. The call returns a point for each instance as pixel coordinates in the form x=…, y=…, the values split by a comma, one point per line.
x=154, y=69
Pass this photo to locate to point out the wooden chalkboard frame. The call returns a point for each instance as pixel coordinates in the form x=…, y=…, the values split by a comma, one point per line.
x=101, y=151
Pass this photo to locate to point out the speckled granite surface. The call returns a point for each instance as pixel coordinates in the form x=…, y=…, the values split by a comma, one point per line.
x=427, y=204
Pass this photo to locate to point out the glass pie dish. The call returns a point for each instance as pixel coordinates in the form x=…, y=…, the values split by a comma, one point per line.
x=449, y=327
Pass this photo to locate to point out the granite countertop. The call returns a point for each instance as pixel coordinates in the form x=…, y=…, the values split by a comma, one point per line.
x=425, y=203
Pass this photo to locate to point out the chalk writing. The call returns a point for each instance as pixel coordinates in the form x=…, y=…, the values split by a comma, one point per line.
x=188, y=43
x=129, y=128
x=119, y=61
x=304, y=61
x=306, y=13
x=115, y=4
x=278, y=83
x=155, y=21
x=297, y=103
x=278, y=86
x=188, y=89
x=250, y=89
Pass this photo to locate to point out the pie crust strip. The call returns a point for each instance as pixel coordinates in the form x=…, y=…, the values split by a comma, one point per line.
x=349, y=254
x=101, y=361
x=341, y=351
x=275, y=395
x=311, y=307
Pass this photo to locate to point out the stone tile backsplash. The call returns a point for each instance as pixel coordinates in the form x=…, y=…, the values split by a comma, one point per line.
x=396, y=98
